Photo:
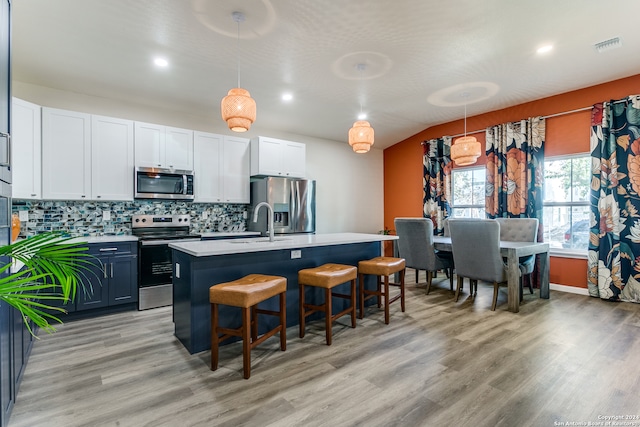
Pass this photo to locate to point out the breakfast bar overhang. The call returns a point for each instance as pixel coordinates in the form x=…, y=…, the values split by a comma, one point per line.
x=199, y=265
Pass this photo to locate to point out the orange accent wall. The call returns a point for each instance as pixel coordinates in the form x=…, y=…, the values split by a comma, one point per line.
x=566, y=134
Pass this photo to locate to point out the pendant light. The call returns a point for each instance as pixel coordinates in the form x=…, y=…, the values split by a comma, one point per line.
x=238, y=108
x=361, y=134
x=466, y=150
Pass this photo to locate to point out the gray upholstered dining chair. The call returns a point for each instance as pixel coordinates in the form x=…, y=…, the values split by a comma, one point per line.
x=521, y=230
x=476, y=254
x=415, y=245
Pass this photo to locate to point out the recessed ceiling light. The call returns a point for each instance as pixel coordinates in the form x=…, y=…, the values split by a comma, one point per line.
x=161, y=62
x=287, y=97
x=362, y=116
x=545, y=49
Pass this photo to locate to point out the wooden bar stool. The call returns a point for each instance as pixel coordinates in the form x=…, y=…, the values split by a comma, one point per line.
x=247, y=293
x=327, y=276
x=381, y=267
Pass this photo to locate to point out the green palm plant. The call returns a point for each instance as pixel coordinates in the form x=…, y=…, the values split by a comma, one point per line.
x=54, y=268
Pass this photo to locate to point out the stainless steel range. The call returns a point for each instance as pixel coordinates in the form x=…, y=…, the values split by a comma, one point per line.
x=154, y=233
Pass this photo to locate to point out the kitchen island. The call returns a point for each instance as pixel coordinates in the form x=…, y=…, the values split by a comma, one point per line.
x=199, y=265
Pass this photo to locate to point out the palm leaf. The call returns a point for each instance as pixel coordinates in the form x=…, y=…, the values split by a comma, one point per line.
x=55, y=266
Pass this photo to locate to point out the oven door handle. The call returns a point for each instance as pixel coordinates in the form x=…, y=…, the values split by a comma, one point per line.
x=166, y=242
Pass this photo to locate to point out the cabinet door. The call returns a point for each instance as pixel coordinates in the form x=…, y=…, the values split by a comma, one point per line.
x=266, y=156
x=294, y=159
x=149, y=145
x=207, y=167
x=111, y=158
x=7, y=392
x=236, y=169
x=66, y=155
x=26, y=154
x=123, y=284
x=178, y=149
x=97, y=284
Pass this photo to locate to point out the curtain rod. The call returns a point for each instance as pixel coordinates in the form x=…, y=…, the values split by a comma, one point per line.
x=545, y=117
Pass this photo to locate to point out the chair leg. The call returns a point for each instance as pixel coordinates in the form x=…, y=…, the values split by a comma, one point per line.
x=530, y=282
x=417, y=274
x=429, y=279
x=327, y=314
x=495, y=296
x=451, y=278
x=353, y=303
x=246, y=342
x=283, y=321
x=214, y=337
x=302, y=313
x=402, y=289
x=459, y=287
x=254, y=323
x=386, y=300
x=361, y=295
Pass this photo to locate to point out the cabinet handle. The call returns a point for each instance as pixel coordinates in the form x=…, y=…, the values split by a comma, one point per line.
x=96, y=197
x=33, y=195
x=159, y=165
x=104, y=271
x=8, y=136
x=108, y=249
x=112, y=270
x=83, y=196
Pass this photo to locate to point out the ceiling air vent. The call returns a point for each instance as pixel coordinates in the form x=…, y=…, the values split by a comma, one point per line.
x=608, y=44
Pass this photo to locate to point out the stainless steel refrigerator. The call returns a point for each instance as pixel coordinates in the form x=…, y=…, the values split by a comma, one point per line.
x=293, y=202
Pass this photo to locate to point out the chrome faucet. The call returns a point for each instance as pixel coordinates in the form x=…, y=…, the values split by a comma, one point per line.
x=269, y=217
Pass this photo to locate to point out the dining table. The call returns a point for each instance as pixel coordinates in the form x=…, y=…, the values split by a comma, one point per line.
x=513, y=251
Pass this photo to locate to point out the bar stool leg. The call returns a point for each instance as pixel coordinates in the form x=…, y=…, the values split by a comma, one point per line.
x=283, y=321
x=302, y=313
x=327, y=311
x=402, y=289
x=361, y=294
x=246, y=342
x=214, y=337
x=353, y=303
x=386, y=300
x=379, y=283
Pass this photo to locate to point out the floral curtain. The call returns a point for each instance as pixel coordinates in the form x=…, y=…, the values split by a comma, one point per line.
x=515, y=170
x=614, y=243
x=437, y=181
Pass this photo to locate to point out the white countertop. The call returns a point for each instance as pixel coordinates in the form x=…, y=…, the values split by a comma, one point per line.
x=104, y=239
x=292, y=241
x=218, y=234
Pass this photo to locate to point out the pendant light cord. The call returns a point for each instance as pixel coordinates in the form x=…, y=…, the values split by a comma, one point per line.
x=238, y=52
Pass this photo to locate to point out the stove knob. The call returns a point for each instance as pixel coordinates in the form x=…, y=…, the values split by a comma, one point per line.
x=137, y=220
x=144, y=219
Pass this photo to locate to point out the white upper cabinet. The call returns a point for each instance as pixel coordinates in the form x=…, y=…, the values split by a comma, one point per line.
x=26, y=150
x=221, y=168
x=277, y=157
x=207, y=167
x=111, y=158
x=158, y=146
x=66, y=155
x=236, y=170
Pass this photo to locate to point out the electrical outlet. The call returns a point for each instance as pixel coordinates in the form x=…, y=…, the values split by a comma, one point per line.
x=205, y=215
x=244, y=214
x=23, y=215
x=106, y=215
x=296, y=254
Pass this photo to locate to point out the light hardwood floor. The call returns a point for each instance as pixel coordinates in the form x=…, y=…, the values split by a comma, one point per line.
x=568, y=359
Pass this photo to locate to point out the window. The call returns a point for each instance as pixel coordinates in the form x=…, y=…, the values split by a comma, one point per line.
x=467, y=188
x=566, y=202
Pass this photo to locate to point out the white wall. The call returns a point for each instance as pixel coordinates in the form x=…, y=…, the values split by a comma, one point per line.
x=349, y=186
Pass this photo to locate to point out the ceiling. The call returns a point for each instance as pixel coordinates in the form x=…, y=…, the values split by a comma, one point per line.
x=423, y=59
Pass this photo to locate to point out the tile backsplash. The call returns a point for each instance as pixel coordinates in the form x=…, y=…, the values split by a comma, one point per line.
x=86, y=218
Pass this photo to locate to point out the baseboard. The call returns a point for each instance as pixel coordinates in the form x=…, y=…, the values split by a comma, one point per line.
x=570, y=289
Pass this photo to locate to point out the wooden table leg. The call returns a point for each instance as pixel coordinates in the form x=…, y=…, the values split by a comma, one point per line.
x=513, y=289
x=544, y=270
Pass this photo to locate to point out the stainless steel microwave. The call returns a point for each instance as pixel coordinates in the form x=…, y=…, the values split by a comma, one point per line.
x=158, y=183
